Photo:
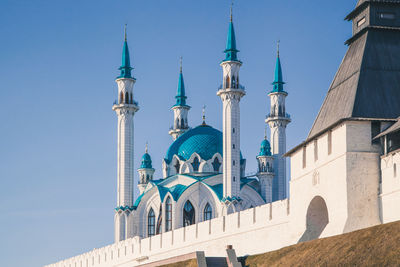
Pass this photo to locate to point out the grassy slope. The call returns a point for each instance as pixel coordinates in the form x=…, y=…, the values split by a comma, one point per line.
x=375, y=246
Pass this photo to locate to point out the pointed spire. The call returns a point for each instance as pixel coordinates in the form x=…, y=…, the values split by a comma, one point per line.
x=204, y=115
x=146, y=150
x=231, y=51
x=278, y=81
x=126, y=69
x=180, y=96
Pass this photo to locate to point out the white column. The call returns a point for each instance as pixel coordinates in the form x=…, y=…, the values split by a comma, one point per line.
x=125, y=110
x=231, y=93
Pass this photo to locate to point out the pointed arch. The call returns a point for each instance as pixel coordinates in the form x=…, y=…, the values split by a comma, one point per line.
x=189, y=215
x=196, y=164
x=216, y=164
x=126, y=98
x=151, y=223
x=121, y=98
x=207, y=213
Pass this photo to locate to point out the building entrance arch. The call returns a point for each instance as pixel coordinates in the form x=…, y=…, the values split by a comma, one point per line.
x=317, y=219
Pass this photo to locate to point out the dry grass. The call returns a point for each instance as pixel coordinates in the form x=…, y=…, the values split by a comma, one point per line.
x=188, y=263
x=375, y=246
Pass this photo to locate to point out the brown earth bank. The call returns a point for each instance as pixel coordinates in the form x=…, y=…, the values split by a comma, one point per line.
x=188, y=263
x=375, y=246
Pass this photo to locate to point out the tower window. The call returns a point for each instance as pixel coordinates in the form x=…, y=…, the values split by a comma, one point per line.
x=234, y=162
x=188, y=214
x=207, y=212
x=216, y=164
x=304, y=157
x=121, y=98
x=196, y=164
x=361, y=22
x=394, y=170
x=386, y=15
x=151, y=223
x=233, y=146
x=177, y=166
x=234, y=178
x=126, y=98
x=168, y=215
x=233, y=130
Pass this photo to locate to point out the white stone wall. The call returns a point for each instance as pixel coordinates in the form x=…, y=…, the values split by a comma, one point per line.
x=390, y=187
x=252, y=231
x=347, y=179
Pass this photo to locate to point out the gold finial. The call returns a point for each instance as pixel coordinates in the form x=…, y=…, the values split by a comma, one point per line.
x=180, y=62
x=232, y=11
x=125, y=35
x=204, y=115
x=146, y=150
x=278, y=44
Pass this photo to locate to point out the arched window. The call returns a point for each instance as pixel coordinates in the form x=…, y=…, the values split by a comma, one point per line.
x=262, y=167
x=227, y=82
x=126, y=98
x=168, y=215
x=188, y=214
x=233, y=82
x=216, y=164
x=207, y=212
x=131, y=99
x=182, y=124
x=159, y=221
x=177, y=166
x=151, y=223
x=121, y=98
x=196, y=164
x=147, y=178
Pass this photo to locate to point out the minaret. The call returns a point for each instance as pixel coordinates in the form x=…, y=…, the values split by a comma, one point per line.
x=277, y=120
x=125, y=109
x=231, y=92
x=145, y=171
x=265, y=172
x=180, y=109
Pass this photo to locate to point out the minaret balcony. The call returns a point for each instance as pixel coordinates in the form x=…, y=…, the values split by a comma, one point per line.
x=238, y=87
x=132, y=105
x=278, y=116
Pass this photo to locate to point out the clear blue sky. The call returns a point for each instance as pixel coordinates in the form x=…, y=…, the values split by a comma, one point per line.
x=58, y=62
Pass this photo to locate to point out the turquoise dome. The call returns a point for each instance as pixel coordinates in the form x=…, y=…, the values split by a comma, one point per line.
x=204, y=140
x=265, y=149
x=146, y=162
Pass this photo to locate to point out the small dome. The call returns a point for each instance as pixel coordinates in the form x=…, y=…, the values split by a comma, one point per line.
x=146, y=162
x=265, y=149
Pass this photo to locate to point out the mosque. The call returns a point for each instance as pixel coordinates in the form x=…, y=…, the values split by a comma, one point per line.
x=203, y=170
x=344, y=175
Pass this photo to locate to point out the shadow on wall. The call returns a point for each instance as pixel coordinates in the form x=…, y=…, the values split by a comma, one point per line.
x=317, y=219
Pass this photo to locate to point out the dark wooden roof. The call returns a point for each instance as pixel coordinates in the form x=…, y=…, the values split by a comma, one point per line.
x=361, y=4
x=394, y=128
x=367, y=84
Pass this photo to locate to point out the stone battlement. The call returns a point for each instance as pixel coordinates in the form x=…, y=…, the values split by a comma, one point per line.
x=251, y=231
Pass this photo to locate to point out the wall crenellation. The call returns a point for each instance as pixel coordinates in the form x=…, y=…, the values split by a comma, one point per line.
x=185, y=238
